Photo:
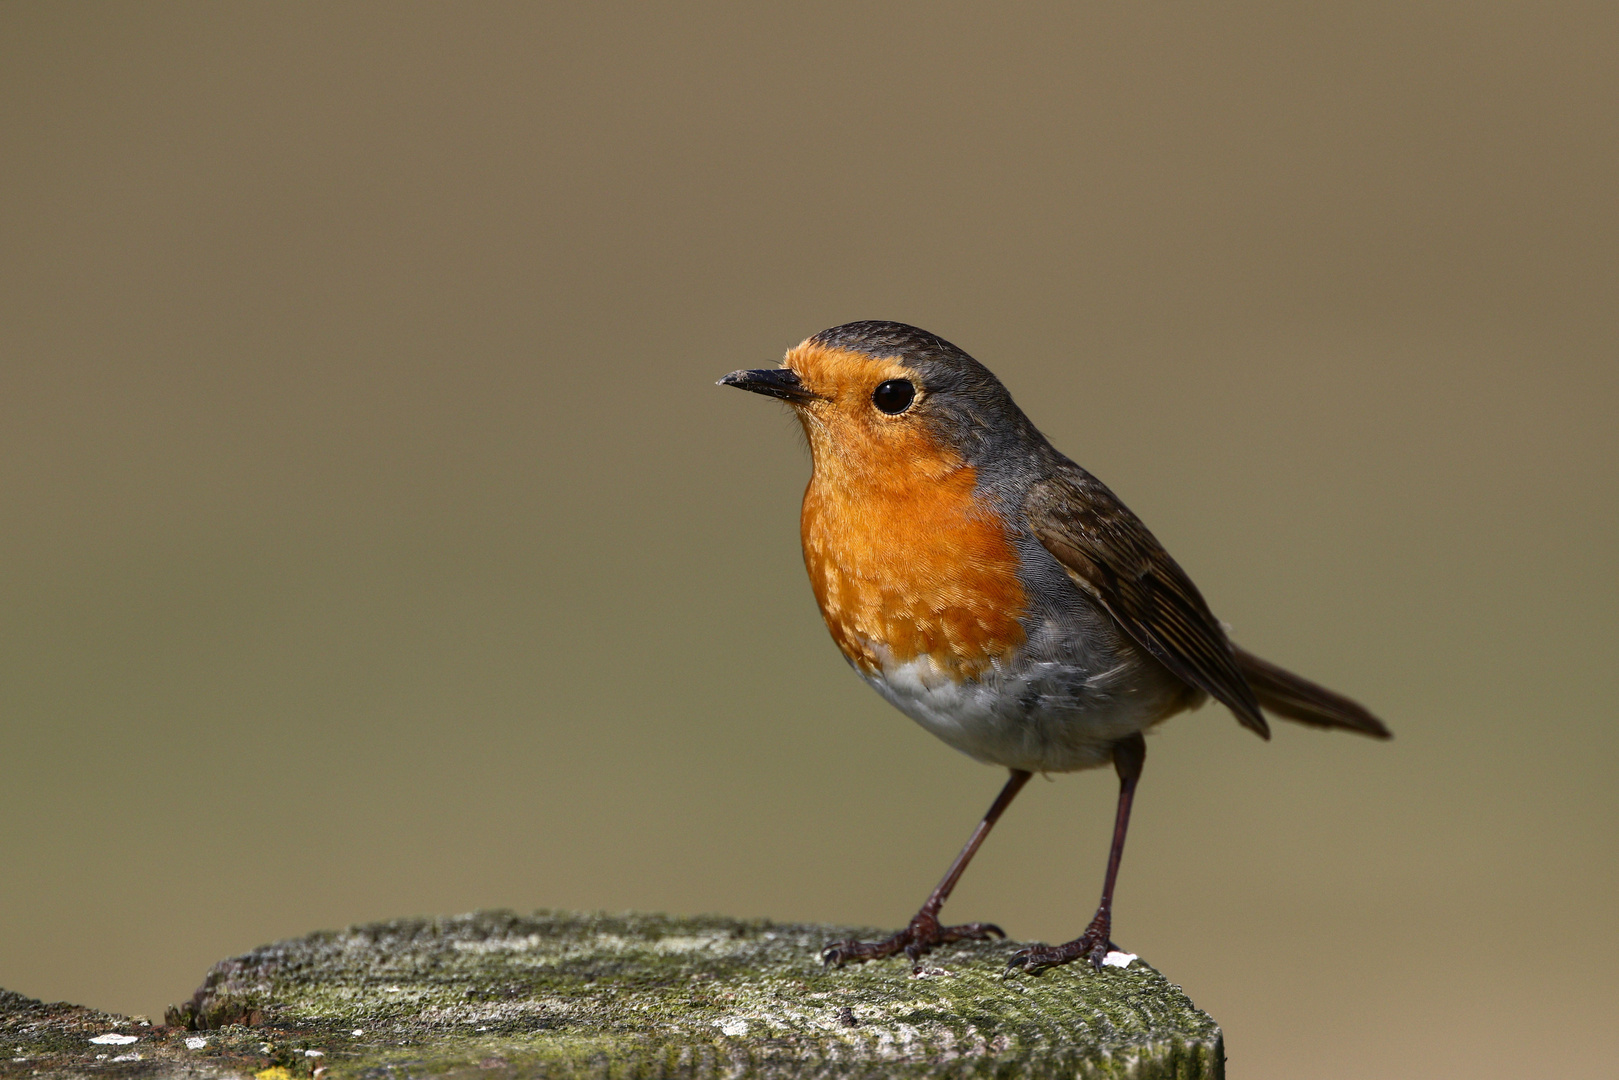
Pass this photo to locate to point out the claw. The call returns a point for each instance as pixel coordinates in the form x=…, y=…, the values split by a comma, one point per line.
x=1036, y=958
x=839, y=952
x=914, y=941
x=1031, y=961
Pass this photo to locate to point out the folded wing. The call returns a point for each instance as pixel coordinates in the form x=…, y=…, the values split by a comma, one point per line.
x=1109, y=553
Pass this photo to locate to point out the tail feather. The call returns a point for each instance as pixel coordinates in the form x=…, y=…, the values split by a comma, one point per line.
x=1298, y=699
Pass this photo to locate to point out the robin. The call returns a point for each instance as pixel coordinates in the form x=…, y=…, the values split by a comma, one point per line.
x=1000, y=595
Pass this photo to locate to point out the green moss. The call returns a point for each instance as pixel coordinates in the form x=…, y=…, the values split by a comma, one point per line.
x=565, y=995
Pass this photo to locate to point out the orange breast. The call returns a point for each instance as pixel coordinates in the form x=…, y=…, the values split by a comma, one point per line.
x=905, y=560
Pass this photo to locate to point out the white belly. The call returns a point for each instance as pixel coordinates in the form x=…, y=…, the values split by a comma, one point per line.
x=1044, y=717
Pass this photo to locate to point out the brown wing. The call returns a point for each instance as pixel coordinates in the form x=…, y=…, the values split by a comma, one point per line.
x=1109, y=553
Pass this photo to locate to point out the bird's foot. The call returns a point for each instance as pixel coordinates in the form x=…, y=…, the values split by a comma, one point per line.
x=922, y=935
x=1093, y=945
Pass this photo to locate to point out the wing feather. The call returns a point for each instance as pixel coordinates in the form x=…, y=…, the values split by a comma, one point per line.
x=1109, y=553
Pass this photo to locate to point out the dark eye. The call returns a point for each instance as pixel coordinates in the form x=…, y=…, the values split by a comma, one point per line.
x=894, y=396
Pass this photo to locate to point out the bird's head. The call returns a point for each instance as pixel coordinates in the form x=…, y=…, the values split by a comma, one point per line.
x=888, y=403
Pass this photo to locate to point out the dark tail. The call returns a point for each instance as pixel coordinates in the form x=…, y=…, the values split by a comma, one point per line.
x=1287, y=695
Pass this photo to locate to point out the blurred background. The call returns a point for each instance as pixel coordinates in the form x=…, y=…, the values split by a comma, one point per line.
x=374, y=541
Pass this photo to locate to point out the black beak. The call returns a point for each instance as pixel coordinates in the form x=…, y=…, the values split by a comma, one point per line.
x=774, y=382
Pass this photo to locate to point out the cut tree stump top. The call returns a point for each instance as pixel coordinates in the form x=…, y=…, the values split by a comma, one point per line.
x=495, y=994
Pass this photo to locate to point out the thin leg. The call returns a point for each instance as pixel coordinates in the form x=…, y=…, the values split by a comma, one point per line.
x=1128, y=757
x=924, y=932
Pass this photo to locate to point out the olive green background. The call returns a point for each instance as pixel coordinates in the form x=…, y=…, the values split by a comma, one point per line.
x=374, y=541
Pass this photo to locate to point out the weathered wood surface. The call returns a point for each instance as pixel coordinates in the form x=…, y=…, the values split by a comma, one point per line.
x=494, y=995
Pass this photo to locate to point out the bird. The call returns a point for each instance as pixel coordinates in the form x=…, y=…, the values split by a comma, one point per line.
x=1000, y=595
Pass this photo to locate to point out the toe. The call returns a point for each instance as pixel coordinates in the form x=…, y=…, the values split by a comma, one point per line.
x=1022, y=960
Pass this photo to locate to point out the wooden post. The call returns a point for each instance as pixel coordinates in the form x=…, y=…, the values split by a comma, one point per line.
x=496, y=994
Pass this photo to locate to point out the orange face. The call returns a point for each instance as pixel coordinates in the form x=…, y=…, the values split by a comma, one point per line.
x=904, y=560
x=852, y=440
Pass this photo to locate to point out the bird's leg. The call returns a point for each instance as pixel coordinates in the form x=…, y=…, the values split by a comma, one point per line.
x=1128, y=756
x=924, y=932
